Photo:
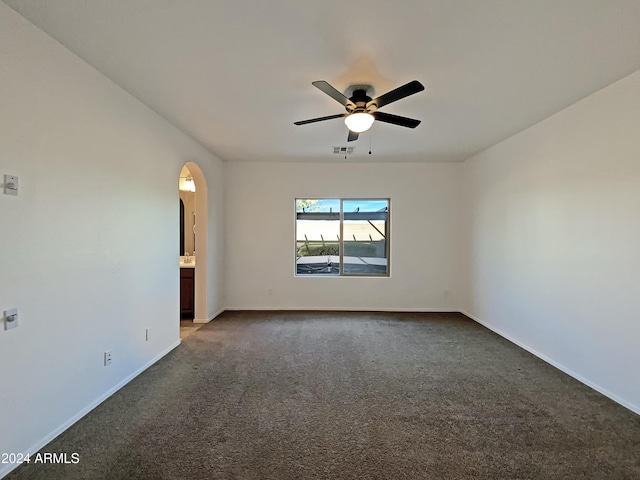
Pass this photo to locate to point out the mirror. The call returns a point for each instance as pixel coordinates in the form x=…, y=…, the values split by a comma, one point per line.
x=187, y=214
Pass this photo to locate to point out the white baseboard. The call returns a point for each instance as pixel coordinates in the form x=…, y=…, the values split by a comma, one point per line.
x=343, y=309
x=4, y=470
x=207, y=320
x=559, y=366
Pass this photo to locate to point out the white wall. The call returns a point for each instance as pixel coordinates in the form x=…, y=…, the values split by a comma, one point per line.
x=215, y=239
x=554, y=239
x=90, y=245
x=425, y=247
x=209, y=286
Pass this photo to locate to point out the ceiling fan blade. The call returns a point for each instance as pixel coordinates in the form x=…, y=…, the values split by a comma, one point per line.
x=397, y=94
x=332, y=92
x=396, y=119
x=320, y=119
x=352, y=136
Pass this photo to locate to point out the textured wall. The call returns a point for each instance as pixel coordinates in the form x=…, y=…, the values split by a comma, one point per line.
x=91, y=255
x=553, y=239
x=425, y=241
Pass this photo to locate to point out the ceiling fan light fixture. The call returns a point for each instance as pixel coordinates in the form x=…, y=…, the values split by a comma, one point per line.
x=359, y=122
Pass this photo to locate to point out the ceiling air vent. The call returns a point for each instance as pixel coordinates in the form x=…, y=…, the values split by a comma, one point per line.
x=343, y=150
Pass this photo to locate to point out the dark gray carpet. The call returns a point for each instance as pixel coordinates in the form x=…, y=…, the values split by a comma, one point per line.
x=299, y=395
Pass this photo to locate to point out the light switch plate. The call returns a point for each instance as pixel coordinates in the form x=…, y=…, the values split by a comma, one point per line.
x=10, y=185
x=10, y=318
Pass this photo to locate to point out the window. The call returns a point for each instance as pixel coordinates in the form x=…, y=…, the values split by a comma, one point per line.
x=342, y=236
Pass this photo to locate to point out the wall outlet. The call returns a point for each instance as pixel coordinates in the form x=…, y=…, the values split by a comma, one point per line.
x=107, y=358
x=10, y=318
x=10, y=185
x=148, y=334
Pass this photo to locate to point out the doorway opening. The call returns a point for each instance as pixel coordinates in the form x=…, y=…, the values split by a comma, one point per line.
x=193, y=248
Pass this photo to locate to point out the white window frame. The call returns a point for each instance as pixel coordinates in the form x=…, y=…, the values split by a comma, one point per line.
x=341, y=272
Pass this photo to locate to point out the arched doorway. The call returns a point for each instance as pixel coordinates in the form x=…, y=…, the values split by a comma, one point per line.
x=193, y=240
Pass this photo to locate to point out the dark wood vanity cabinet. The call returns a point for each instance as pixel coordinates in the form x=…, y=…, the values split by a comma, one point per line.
x=187, y=298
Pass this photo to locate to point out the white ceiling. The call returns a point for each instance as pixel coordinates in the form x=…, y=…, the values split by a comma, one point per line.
x=236, y=74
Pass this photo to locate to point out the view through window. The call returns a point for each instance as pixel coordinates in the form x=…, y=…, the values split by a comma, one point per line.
x=342, y=236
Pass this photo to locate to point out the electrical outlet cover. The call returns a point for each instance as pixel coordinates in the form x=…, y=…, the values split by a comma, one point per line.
x=10, y=185
x=10, y=318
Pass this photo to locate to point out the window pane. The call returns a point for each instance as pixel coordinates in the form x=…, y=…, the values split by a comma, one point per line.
x=365, y=237
x=317, y=236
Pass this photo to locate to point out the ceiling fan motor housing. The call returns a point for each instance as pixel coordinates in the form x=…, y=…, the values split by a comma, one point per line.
x=359, y=102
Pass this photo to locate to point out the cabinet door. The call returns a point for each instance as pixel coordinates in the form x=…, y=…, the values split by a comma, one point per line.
x=186, y=292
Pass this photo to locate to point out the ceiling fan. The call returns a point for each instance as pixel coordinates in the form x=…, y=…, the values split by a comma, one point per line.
x=362, y=110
